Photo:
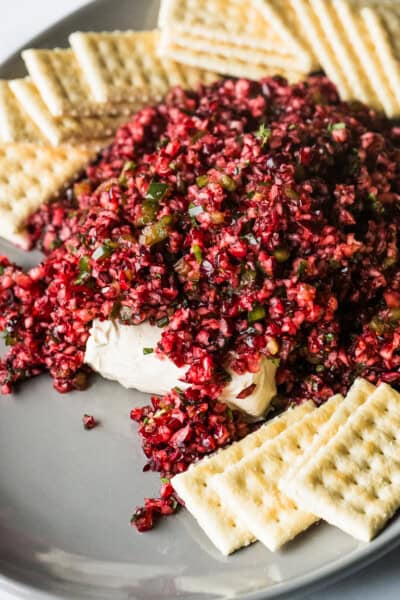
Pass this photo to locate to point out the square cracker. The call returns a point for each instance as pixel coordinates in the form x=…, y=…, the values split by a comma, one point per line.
x=322, y=50
x=124, y=66
x=354, y=481
x=231, y=25
x=365, y=51
x=31, y=175
x=340, y=45
x=250, y=487
x=383, y=24
x=15, y=123
x=233, y=67
x=209, y=508
x=356, y=396
x=65, y=129
x=63, y=86
x=218, y=20
x=286, y=23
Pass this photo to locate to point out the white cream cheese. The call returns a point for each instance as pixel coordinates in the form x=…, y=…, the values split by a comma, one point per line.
x=115, y=351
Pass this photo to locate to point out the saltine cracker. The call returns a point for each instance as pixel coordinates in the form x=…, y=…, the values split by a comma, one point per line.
x=65, y=129
x=124, y=66
x=15, y=123
x=233, y=67
x=321, y=49
x=63, y=86
x=31, y=175
x=383, y=24
x=365, y=51
x=231, y=28
x=340, y=45
x=354, y=481
x=356, y=396
x=287, y=25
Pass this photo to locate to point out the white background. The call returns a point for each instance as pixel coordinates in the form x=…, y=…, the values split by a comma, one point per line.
x=21, y=20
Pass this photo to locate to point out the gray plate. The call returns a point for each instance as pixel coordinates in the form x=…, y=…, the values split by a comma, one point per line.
x=66, y=495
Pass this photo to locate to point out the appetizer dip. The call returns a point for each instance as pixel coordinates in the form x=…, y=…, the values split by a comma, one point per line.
x=238, y=238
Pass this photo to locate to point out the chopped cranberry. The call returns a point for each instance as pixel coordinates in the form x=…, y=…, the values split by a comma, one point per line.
x=246, y=392
x=89, y=422
x=246, y=220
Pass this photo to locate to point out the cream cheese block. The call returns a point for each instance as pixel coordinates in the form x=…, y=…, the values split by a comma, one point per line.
x=115, y=351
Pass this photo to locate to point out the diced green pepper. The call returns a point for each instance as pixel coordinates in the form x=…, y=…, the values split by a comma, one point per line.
x=202, y=180
x=84, y=271
x=157, y=191
x=377, y=324
x=395, y=314
x=281, y=254
x=149, y=212
x=263, y=134
x=197, y=253
x=248, y=276
x=105, y=250
x=336, y=126
x=291, y=193
x=227, y=183
x=302, y=268
x=163, y=322
x=256, y=314
x=156, y=232
x=197, y=136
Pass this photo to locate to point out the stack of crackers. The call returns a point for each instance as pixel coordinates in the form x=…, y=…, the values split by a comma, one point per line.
x=339, y=462
x=242, y=39
x=356, y=42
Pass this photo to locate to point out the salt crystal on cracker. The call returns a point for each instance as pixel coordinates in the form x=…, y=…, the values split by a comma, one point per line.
x=354, y=481
x=64, y=129
x=125, y=66
x=30, y=175
x=209, y=508
x=250, y=487
x=15, y=123
x=63, y=86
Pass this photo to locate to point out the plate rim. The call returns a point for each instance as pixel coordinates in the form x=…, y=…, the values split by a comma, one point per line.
x=310, y=582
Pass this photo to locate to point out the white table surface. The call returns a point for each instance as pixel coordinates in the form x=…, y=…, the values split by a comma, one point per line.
x=21, y=20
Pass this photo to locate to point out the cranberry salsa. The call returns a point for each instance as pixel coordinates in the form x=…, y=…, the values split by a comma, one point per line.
x=245, y=220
